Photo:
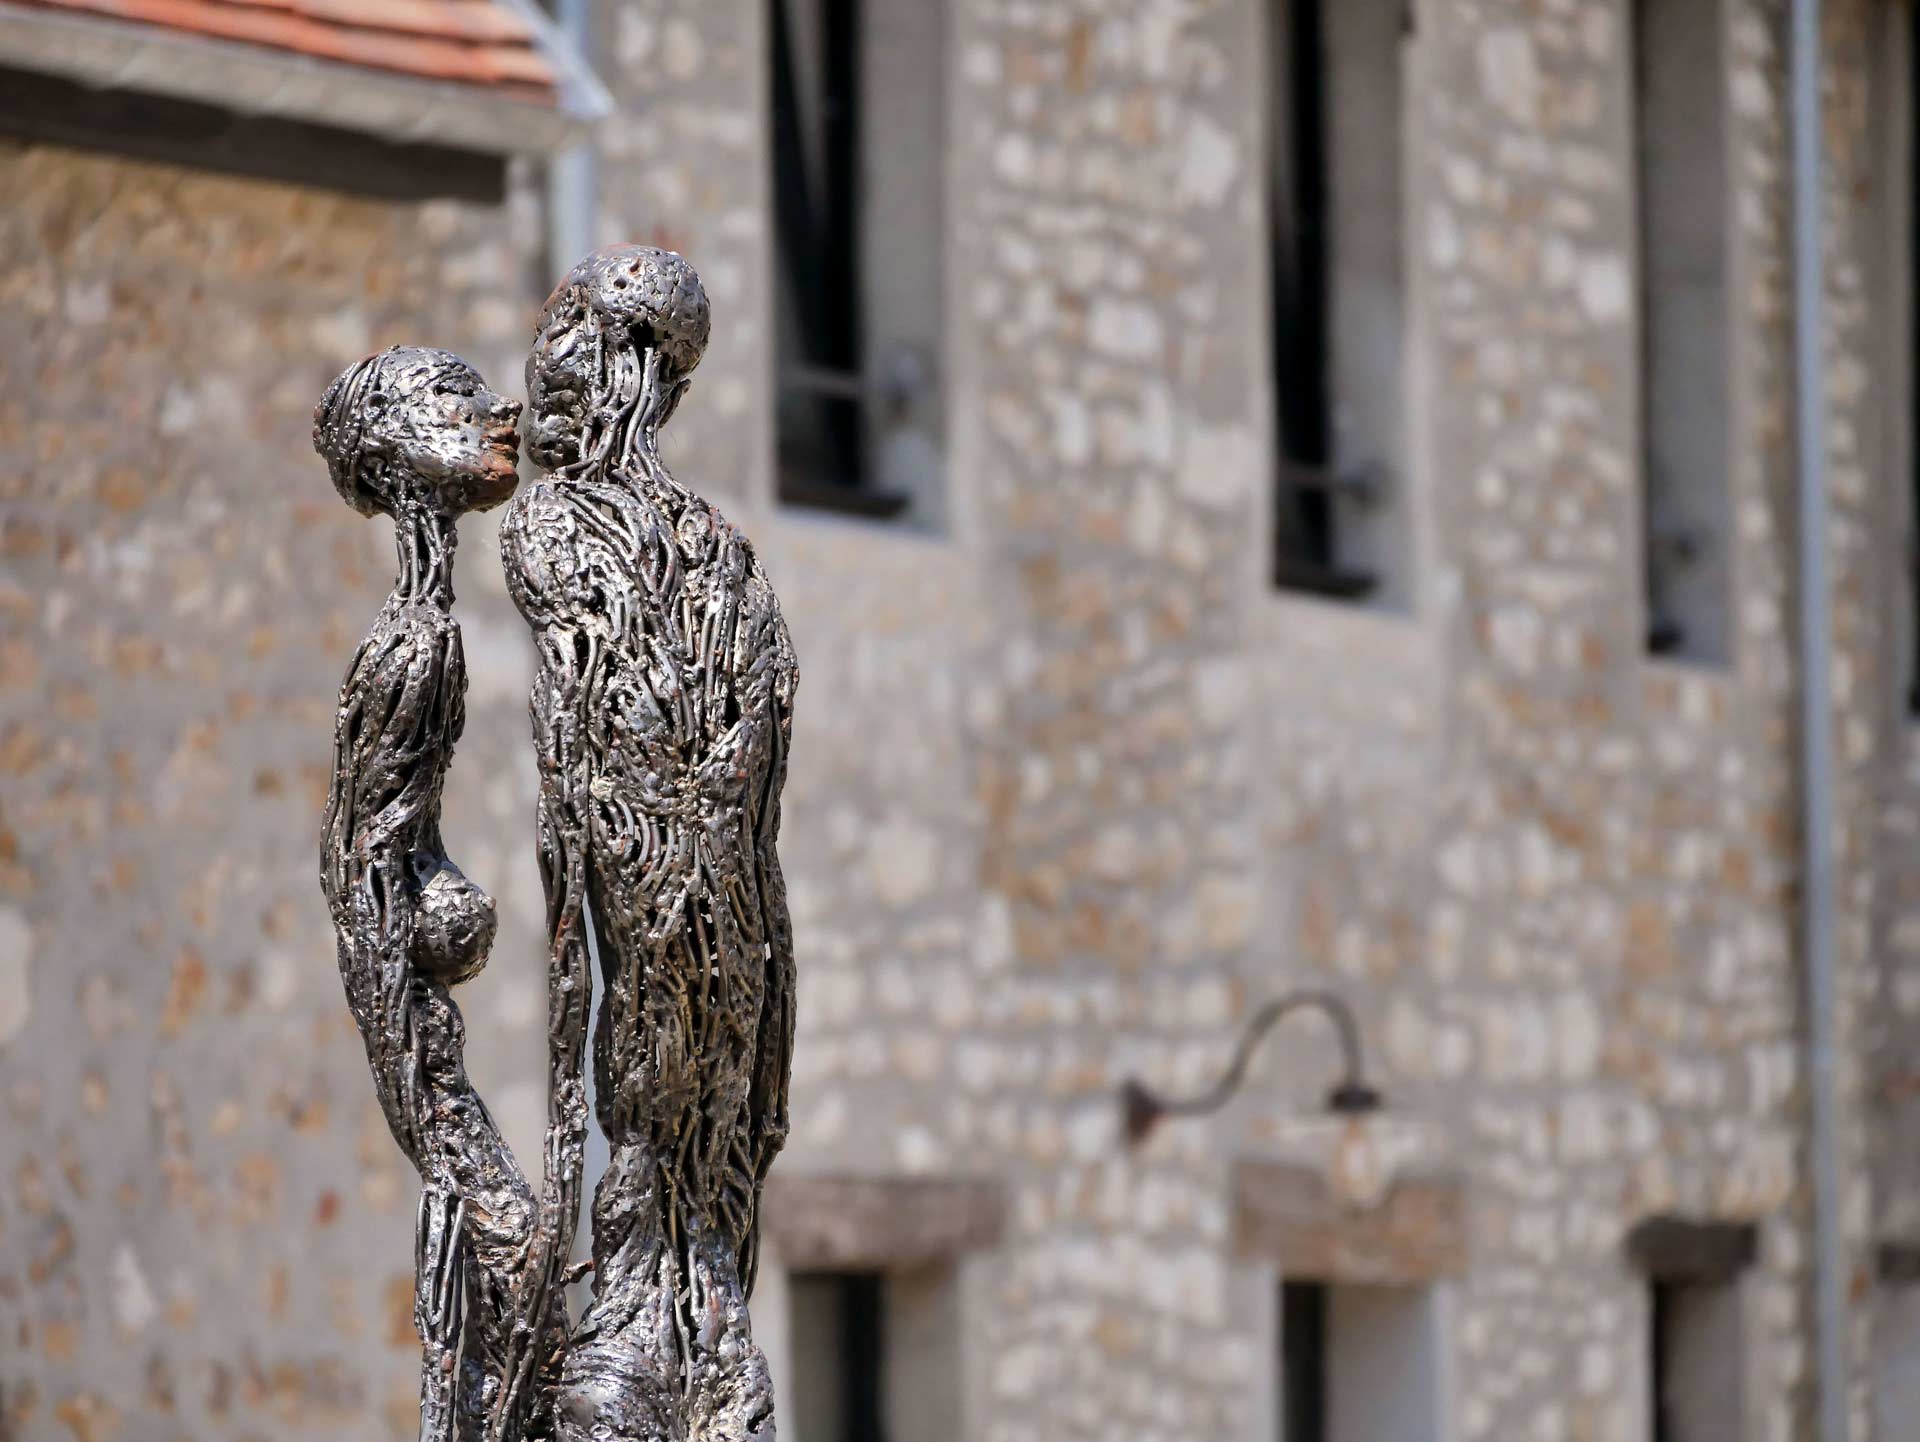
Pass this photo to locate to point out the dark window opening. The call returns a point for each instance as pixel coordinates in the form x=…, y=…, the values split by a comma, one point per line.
x=1682, y=178
x=1306, y=554
x=841, y=1382
x=1660, y=1308
x=1695, y=1328
x=857, y=158
x=1303, y=1362
x=1360, y=1363
x=1337, y=282
x=1695, y=1386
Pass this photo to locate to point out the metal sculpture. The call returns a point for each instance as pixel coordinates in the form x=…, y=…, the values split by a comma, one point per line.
x=662, y=712
x=416, y=435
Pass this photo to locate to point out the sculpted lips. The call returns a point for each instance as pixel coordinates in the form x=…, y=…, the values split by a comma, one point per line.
x=505, y=439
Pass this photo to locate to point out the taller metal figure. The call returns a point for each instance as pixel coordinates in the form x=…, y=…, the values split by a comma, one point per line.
x=662, y=712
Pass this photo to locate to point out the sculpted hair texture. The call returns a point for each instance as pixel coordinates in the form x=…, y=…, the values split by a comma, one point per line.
x=340, y=427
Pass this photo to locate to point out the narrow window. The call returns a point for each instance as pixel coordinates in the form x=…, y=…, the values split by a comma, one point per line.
x=1896, y=1343
x=839, y=1356
x=1696, y=1348
x=1360, y=1363
x=858, y=142
x=1336, y=242
x=875, y=1357
x=1303, y=1362
x=1680, y=126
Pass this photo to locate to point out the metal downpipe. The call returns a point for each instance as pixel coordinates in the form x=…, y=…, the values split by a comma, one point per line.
x=1816, y=721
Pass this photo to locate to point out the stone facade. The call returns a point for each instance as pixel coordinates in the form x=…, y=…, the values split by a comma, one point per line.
x=1073, y=789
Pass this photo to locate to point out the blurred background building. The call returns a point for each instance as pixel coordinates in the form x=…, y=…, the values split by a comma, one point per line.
x=1267, y=492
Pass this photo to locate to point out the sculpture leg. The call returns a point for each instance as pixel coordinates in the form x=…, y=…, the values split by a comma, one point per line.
x=623, y=1377
x=460, y=1151
x=732, y=1391
x=439, y=1260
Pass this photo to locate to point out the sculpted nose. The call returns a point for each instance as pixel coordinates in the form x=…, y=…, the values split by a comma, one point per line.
x=504, y=411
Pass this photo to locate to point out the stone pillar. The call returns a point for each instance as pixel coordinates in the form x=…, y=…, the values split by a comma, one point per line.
x=1106, y=230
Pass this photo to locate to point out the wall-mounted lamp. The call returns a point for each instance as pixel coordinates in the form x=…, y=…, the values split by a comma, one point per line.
x=1351, y=1095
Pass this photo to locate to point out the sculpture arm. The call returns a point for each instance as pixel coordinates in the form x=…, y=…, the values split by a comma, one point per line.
x=532, y=1363
x=773, y=1057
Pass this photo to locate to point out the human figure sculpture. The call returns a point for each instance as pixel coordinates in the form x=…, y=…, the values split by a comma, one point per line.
x=662, y=713
x=414, y=434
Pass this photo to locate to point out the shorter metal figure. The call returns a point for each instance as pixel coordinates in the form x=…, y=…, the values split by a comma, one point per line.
x=414, y=434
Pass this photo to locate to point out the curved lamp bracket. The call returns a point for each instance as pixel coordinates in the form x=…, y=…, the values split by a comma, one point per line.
x=1351, y=1095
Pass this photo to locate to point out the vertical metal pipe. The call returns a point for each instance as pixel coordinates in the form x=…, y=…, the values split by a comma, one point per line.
x=1816, y=721
x=571, y=175
x=572, y=214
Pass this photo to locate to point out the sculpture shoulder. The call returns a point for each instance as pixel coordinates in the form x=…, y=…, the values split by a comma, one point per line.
x=539, y=546
x=409, y=646
x=538, y=516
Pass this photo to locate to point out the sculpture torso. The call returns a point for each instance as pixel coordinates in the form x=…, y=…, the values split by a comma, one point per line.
x=676, y=676
x=662, y=711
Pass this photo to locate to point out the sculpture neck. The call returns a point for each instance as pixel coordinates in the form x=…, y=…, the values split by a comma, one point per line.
x=426, y=540
x=624, y=443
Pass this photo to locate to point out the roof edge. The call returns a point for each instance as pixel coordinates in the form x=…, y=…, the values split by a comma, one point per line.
x=258, y=80
x=582, y=93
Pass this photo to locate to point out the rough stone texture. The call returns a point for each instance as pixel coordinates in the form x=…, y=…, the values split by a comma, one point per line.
x=1072, y=791
x=197, y=1184
x=1289, y=1218
x=859, y=1223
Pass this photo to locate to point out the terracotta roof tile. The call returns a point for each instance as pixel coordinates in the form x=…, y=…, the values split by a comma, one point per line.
x=473, y=42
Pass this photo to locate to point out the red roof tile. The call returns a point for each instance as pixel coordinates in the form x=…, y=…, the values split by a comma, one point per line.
x=471, y=42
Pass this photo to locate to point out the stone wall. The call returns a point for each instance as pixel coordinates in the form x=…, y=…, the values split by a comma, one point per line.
x=204, y=1225
x=1073, y=790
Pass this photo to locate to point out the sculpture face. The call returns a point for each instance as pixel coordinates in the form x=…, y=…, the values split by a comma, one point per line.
x=612, y=306
x=418, y=424
x=561, y=381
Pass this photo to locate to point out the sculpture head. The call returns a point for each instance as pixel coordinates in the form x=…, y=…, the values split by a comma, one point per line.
x=590, y=362
x=416, y=425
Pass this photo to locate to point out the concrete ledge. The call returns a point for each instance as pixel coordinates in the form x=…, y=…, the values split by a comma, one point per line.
x=1287, y=1215
x=1688, y=1249
x=882, y=1224
x=1897, y=1262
